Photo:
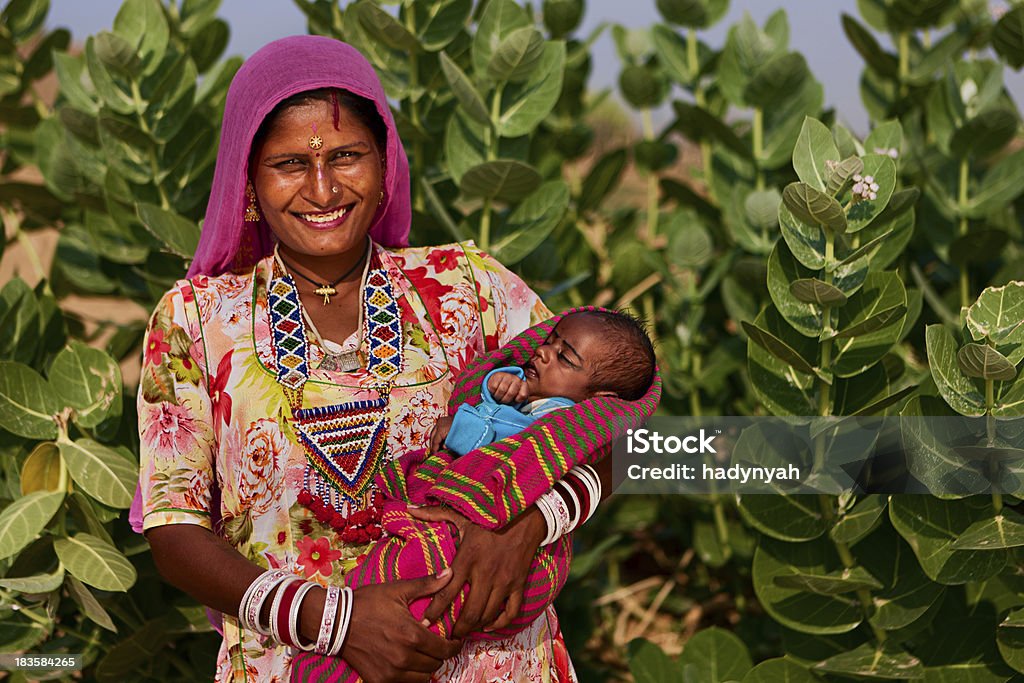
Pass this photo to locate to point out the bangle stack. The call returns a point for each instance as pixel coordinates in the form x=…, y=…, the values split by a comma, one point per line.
x=286, y=607
x=582, y=488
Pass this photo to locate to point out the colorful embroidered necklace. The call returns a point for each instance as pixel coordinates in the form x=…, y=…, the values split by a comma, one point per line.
x=344, y=443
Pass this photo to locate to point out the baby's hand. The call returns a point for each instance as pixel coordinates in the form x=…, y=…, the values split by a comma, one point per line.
x=507, y=388
x=439, y=433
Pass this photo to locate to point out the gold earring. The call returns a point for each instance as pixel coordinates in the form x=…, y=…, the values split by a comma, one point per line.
x=252, y=213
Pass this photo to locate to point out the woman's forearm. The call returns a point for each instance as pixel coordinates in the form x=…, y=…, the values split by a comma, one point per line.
x=206, y=567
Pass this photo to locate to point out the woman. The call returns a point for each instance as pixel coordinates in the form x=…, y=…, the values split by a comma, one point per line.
x=305, y=348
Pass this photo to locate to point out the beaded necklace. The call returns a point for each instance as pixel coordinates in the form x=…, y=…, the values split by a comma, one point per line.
x=344, y=443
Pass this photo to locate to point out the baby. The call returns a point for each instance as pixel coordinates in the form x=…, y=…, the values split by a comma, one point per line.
x=588, y=354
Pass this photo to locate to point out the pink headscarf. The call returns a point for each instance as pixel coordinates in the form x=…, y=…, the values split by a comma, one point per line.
x=277, y=71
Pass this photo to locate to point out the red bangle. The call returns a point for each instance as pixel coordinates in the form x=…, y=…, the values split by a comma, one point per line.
x=284, y=609
x=582, y=494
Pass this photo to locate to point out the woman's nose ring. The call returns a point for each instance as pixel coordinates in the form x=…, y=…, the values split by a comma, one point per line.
x=334, y=189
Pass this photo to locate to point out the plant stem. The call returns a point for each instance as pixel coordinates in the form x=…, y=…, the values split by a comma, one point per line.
x=652, y=179
x=700, y=97
x=824, y=388
x=11, y=218
x=990, y=433
x=904, y=67
x=965, y=285
x=485, y=225
x=758, y=141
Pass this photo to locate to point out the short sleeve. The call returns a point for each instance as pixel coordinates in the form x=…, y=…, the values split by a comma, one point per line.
x=507, y=304
x=176, y=442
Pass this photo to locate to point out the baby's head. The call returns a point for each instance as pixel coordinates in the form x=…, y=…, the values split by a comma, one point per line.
x=592, y=353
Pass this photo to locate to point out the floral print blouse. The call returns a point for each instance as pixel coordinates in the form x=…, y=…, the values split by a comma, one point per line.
x=211, y=410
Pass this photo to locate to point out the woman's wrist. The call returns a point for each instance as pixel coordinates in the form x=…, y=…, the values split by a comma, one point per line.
x=311, y=613
x=536, y=527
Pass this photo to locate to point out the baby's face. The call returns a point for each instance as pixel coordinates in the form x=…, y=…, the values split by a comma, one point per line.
x=562, y=365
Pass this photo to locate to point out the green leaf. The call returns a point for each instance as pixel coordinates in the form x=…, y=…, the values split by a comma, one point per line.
x=814, y=291
x=783, y=269
x=1010, y=639
x=531, y=222
x=776, y=347
x=860, y=521
x=977, y=247
x=88, y=603
x=871, y=661
x=525, y=105
x=931, y=527
x=142, y=22
x=883, y=170
x=464, y=90
x=500, y=18
x=439, y=25
x=697, y=123
x=517, y=56
x=783, y=121
x=1008, y=42
x=689, y=243
x=814, y=207
x=24, y=17
x=643, y=86
x=117, y=53
x=714, y=655
x=985, y=134
x=502, y=179
x=115, y=95
x=956, y=388
x=126, y=148
x=787, y=518
x=794, y=608
x=775, y=80
x=649, y=664
x=998, y=314
x=762, y=209
x=1005, y=530
x=984, y=362
x=886, y=138
x=806, y=242
x=814, y=147
x=42, y=583
x=672, y=54
x=907, y=594
x=601, y=180
x=41, y=470
x=101, y=472
x=25, y=518
x=1003, y=182
x=878, y=59
x=562, y=16
x=835, y=583
x=88, y=380
x=869, y=324
x=777, y=384
x=384, y=28
x=20, y=320
x=746, y=48
x=95, y=562
x=779, y=670
x=179, y=235
x=27, y=403
x=839, y=175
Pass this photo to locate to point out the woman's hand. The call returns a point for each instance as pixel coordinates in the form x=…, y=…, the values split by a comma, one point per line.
x=495, y=564
x=385, y=643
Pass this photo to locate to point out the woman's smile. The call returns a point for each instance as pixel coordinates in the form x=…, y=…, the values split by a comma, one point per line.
x=326, y=220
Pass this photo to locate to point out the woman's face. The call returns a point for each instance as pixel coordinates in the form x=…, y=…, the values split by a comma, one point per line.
x=320, y=200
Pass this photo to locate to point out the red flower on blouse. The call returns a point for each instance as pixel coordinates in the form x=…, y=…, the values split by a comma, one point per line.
x=316, y=556
x=221, y=399
x=156, y=347
x=442, y=259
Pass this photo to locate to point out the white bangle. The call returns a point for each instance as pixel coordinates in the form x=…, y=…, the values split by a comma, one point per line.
x=255, y=595
x=574, y=520
x=558, y=521
x=343, y=621
x=593, y=483
x=293, y=617
x=323, y=640
x=550, y=520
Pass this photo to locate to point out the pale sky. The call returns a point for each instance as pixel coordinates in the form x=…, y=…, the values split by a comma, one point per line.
x=815, y=32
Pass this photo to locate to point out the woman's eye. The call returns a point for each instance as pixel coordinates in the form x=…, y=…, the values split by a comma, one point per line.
x=290, y=165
